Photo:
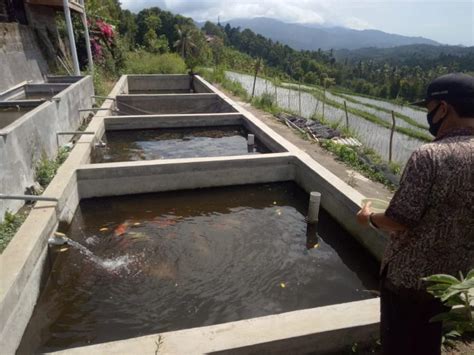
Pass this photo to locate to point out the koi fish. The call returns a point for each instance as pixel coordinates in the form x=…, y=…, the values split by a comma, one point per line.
x=165, y=222
x=121, y=229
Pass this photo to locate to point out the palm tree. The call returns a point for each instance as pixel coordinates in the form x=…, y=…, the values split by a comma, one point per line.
x=185, y=43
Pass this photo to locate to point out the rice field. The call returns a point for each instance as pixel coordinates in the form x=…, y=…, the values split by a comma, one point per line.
x=371, y=134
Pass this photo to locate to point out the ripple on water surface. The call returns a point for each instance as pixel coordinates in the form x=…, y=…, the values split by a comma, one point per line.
x=175, y=260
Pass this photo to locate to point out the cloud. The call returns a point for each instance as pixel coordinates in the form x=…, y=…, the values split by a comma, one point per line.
x=300, y=11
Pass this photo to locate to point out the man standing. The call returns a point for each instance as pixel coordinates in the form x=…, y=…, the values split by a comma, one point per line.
x=430, y=219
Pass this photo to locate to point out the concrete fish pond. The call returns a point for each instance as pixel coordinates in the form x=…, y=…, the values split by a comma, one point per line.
x=169, y=143
x=165, y=261
x=9, y=114
x=191, y=255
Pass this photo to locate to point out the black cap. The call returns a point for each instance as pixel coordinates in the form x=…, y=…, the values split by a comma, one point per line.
x=449, y=86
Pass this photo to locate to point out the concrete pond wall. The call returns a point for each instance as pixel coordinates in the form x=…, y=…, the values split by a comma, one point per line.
x=25, y=260
x=166, y=83
x=170, y=103
x=33, y=135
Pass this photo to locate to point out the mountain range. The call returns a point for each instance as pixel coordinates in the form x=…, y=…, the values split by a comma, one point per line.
x=313, y=37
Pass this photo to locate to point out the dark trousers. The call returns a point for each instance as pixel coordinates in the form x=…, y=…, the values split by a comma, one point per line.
x=405, y=328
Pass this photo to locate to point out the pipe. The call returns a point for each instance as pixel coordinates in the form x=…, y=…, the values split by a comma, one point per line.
x=312, y=240
x=28, y=198
x=70, y=32
x=251, y=139
x=88, y=42
x=313, y=209
x=58, y=239
x=80, y=133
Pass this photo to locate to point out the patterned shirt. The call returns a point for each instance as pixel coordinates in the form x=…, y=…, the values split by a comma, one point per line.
x=435, y=201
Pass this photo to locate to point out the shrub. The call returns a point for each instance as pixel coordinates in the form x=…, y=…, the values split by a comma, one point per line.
x=142, y=62
x=47, y=168
x=454, y=292
x=266, y=102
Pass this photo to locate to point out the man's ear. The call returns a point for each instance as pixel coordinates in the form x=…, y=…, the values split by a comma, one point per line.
x=443, y=110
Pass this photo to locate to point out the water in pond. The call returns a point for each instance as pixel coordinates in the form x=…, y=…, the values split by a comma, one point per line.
x=8, y=115
x=173, y=143
x=186, y=259
x=39, y=95
x=159, y=92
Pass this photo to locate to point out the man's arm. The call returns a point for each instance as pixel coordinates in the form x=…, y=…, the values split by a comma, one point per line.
x=410, y=201
x=379, y=220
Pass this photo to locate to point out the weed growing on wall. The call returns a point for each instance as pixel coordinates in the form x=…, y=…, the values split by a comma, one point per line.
x=9, y=226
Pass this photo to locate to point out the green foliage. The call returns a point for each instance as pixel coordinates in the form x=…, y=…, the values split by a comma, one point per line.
x=218, y=76
x=152, y=42
x=350, y=156
x=47, y=168
x=142, y=62
x=266, y=102
x=99, y=78
x=455, y=293
x=9, y=226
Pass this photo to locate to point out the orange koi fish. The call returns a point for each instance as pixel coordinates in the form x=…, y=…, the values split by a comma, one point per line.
x=121, y=229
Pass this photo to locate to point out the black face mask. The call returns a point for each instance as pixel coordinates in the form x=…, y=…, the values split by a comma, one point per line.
x=434, y=127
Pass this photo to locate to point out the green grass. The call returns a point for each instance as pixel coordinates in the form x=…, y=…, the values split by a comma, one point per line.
x=142, y=62
x=9, y=227
x=47, y=168
x=350, y=156
x=218, y=76
x=372, y=118
x=267, y=103
x=346, y=91
x=45, y=172
x=397, y=114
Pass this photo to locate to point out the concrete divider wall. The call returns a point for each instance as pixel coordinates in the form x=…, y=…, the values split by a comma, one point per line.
x=332, y=329
x=158, y=82
x=172, y=104
x=63, y=78
x=33, y=136
x=118, y=123
x=165, y=82
x=111, y=179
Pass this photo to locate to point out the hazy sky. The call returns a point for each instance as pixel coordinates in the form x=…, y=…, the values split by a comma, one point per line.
x=448, y=21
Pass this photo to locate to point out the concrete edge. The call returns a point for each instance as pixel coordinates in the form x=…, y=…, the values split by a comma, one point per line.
x=328, y=328
x=115, y=123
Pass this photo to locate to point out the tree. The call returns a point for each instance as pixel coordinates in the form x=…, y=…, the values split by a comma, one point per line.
x=214, y=30
x=152, y=42
x=185, y=43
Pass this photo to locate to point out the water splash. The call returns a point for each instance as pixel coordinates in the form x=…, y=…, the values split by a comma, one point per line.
x=113, y=265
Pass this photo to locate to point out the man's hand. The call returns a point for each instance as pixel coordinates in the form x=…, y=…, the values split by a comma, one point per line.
x=381, y=221
x=363, y=214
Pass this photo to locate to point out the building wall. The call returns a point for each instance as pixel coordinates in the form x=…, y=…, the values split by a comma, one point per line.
x=21, y=58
